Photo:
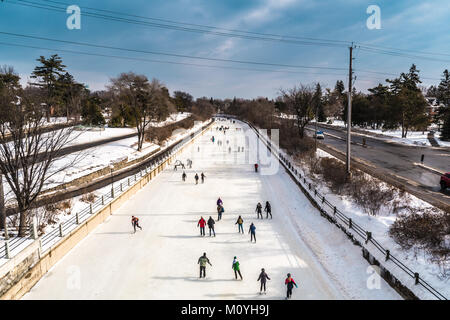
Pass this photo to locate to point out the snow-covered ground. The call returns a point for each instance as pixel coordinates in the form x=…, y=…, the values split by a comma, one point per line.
x=379, y=225
x=82, y=163
x=160, y=262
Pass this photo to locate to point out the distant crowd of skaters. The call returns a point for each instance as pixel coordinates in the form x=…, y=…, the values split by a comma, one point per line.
x=204, y=260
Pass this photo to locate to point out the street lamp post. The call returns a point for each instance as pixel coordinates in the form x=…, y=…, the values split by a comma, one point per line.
x=111, y=167
x=2, y=207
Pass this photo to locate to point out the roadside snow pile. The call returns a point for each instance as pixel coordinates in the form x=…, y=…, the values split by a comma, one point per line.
x=413, y=137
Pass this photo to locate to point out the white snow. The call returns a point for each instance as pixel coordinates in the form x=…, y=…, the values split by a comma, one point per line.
x=160, y=262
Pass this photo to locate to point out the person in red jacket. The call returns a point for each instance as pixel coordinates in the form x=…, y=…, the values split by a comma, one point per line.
x=290, y=283
x=201, y=223
x=135, y=223
x=256, y=167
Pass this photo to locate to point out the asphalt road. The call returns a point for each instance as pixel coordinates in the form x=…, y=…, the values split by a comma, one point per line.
x=397, y=159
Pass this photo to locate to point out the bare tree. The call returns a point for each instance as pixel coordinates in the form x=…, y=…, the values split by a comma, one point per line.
x=148, y=101
x=300, y=102
x=27, y=153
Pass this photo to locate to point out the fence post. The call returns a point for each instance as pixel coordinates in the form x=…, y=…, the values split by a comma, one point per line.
x=77, y=218
x=121, y=189
x=103, y=200
x=112, y=193
x=368, y=236
x=323, y=199
x=416, y=276
x=90, y=208
x=350, y=223
x=309, y=187
x=388, y=254
x=7, y=252
x=128, y=181
x=60, y=230
x=34, y=233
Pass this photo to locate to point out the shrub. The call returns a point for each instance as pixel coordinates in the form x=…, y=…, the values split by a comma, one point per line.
x=88, y=198
x=334, y=172
x=423, y=228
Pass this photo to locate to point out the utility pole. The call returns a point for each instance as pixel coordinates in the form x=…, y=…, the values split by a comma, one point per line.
x=349, y=110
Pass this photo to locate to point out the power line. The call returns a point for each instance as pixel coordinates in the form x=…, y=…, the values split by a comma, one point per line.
x=168, y=54
x=248, y=36
x=158, y=61
x=261, y=36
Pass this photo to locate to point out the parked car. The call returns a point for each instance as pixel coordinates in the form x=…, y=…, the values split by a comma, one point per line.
x=320, y=135
x=445, y=181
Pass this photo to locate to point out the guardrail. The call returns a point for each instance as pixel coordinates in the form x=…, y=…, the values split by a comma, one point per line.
x=333, y=213
x=10, y=247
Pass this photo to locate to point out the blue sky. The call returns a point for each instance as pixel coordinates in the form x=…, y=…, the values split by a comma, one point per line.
x=405, y=24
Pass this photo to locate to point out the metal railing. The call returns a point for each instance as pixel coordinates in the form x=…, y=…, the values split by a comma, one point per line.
x=332, y=212
x=64, y=228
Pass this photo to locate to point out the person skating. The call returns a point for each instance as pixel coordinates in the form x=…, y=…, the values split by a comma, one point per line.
x=135, y=223
x=290, y=283
x=258, y=210
x=220, y=210
x=201, y=223
x=252, y=231
x=263, y=277
x=256, y=167
x=196, y=178
x=240, y=223
x=211, y=223
x=268, y=210
x=203, y=177
x=237, y=268
x=183, y=176
x=202, y=261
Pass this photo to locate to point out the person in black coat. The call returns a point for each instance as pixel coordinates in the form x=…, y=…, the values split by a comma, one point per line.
x=211, y=223
x=263, y=277
x=268, y=210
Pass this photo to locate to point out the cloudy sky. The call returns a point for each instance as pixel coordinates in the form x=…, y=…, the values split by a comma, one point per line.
x=419, y=26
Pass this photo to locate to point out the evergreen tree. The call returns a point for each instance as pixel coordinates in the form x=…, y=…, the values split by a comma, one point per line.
x=47, y=75
x=443, y=90
x=445, y=132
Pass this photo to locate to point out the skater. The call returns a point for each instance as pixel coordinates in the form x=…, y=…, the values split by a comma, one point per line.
x=183, y=176
x=252, y=231
x=202, y=261
x=229, y=149
x=268, y=210
x=259, y=210
x=263, y=277
x=219, y=201
x=290, y=283
x=135, y=223
x=240, y=223
x=203, y=177
x=211, y=223
x=201, y=223
x=220, y=210
x=256, y=167
x=196, y=178
x=236, y=267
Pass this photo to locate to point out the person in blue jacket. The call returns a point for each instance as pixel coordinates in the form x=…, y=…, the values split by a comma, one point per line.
x=252, y=231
